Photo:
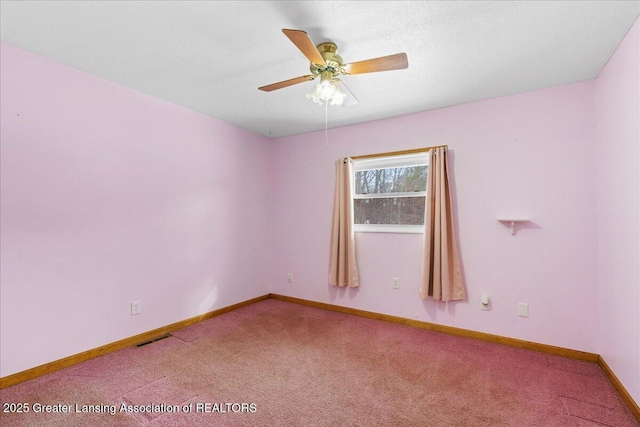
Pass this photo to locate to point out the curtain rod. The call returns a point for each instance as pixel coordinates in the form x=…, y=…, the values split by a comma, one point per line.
x=398, y=153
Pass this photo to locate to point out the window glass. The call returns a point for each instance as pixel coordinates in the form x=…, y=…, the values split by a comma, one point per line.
x=390, y=193
x=391, y=180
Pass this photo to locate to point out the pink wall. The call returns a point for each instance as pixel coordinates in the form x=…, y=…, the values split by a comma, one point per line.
x=110, y=196
x=528, y=155
x=618, y=141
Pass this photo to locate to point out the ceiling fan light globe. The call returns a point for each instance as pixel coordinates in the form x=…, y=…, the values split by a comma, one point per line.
x=314, y=97
x=338, y=97
x=325, y=90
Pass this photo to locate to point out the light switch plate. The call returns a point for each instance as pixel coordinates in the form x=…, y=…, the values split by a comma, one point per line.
x=523, y=309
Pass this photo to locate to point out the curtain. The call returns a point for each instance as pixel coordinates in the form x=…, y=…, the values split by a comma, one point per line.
x=441, y=274
x=343, y=270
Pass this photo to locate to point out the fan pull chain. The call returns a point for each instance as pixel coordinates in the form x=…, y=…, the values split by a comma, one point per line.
x=326, y=122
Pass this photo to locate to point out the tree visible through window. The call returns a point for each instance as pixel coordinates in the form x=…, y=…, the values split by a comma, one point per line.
x=389, y=193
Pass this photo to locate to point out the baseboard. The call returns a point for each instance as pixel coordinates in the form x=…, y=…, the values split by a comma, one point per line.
x=56, y=365
x=624, y=394
x=512, y=342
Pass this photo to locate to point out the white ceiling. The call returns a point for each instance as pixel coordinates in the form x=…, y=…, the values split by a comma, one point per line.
x=211, y=56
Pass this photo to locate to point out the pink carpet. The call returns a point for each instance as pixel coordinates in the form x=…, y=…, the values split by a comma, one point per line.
x=279, y=364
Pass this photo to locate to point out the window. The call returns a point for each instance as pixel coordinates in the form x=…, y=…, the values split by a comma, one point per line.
x=390, y=193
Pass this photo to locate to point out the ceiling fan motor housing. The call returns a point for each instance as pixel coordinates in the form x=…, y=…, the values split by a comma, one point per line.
x=333, y=61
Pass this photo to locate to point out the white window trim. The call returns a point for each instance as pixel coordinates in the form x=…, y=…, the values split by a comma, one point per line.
x=388, y=162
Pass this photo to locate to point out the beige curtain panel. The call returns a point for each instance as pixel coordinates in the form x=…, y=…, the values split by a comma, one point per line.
x=441, y=274
x=343, y=270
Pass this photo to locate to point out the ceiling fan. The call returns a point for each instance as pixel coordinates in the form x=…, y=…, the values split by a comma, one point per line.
x=327, y=64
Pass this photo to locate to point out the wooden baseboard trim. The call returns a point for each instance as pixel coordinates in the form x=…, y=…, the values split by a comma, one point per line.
x=512, y=342
x=624, y=394
x=56, y=365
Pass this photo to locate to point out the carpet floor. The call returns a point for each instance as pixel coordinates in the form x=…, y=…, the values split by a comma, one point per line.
x=275, y=363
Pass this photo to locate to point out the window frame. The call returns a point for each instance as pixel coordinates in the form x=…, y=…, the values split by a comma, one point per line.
x=383, y=161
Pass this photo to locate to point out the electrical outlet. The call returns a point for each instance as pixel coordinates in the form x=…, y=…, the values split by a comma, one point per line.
x=396, y=283
x=136, y=307
x=290, y=277
x=523, y=309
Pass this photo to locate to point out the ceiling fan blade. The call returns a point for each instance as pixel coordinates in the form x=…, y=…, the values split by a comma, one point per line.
x=290, y=82
x=384, y=63
x=350, y=99
x=306, y=46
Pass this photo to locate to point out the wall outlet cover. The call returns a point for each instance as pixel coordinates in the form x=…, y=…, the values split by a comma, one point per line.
x=136, y=307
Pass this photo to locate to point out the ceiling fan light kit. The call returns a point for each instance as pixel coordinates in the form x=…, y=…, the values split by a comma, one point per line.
x=327, y=64
x=327, y=91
